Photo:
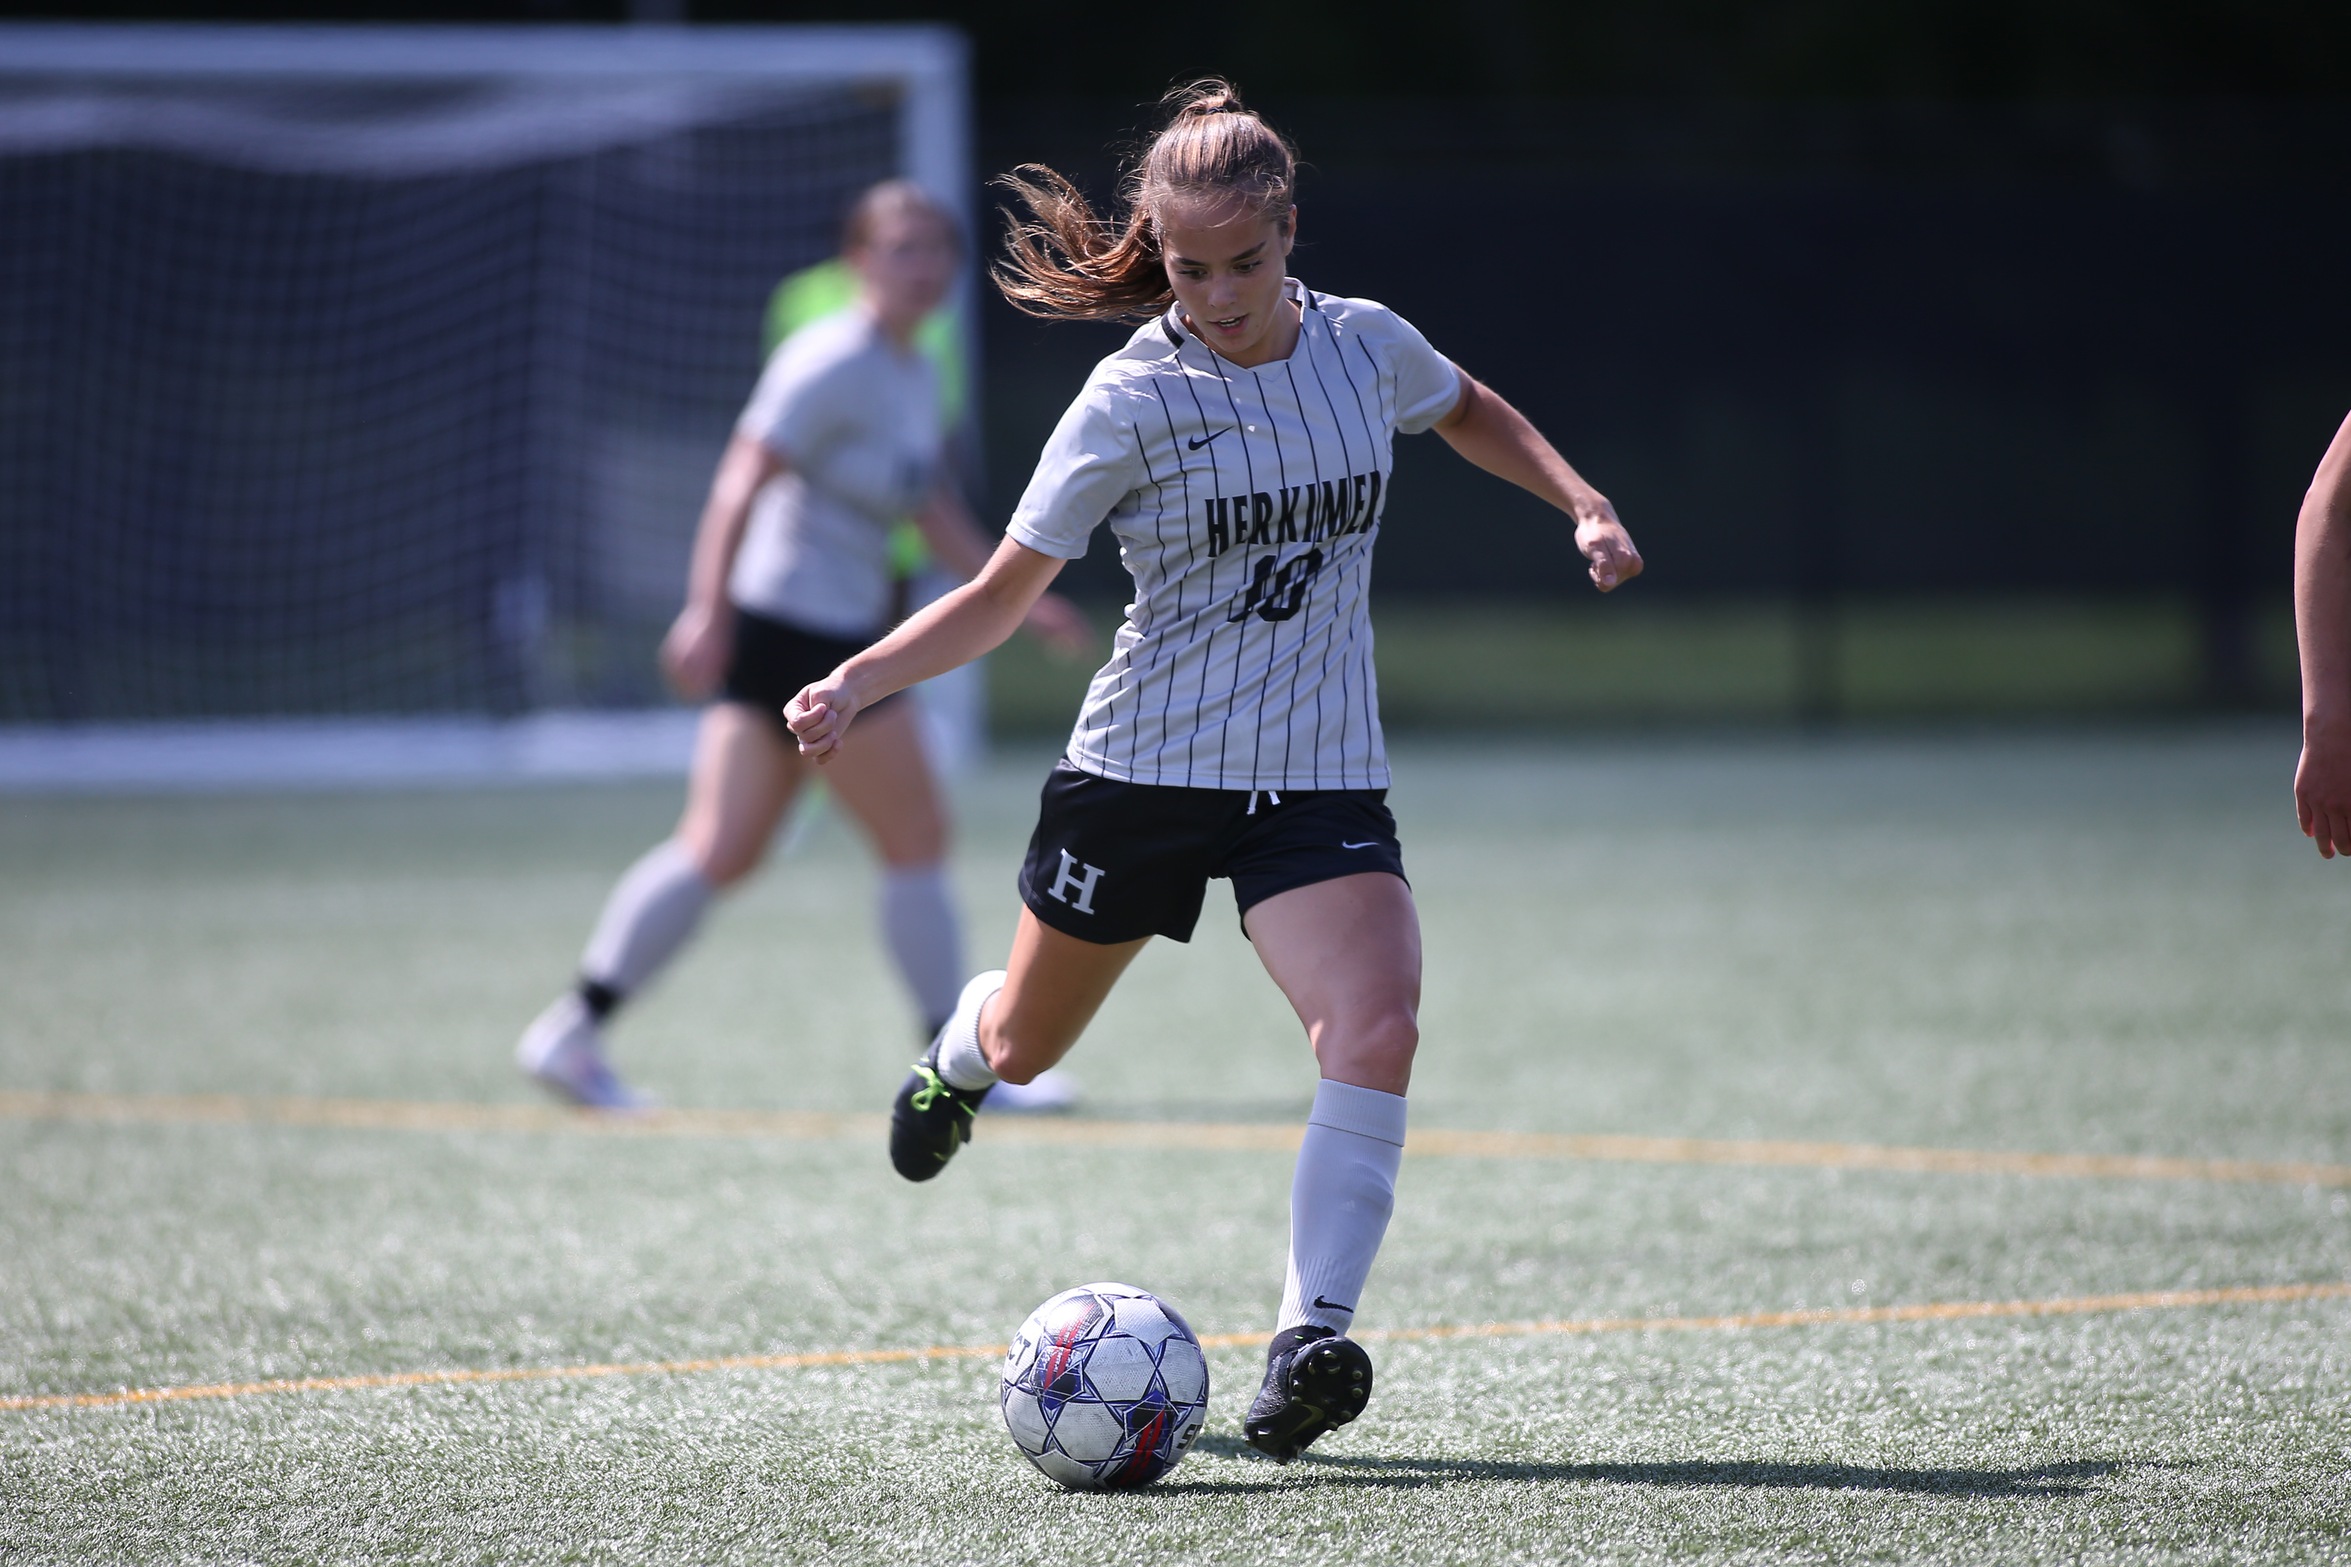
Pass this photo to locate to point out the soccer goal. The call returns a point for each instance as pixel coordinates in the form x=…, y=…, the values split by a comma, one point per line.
x=354, y=374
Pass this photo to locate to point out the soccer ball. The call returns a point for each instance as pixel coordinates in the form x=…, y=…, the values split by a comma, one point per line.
x=1105, y=1387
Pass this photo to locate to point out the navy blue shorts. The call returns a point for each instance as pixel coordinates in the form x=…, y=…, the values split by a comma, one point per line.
x=1113, y=862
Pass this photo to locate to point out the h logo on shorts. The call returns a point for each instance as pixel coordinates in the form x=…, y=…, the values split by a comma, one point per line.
x=1069, y=878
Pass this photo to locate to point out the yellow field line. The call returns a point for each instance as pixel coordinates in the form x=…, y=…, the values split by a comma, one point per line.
x=1943, y=1311
x=1178, y=1136
x=1865, y=1156
x=166, y=1395
x=394, y=1115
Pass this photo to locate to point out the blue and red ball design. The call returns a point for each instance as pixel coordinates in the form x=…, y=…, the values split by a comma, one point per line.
x=1105, y=1387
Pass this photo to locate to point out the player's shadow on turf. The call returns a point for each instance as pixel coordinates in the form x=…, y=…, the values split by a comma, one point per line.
x=2040, y=1481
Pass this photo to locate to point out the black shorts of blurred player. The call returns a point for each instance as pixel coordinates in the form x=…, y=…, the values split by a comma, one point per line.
x=1113, y=862
x=772, y=659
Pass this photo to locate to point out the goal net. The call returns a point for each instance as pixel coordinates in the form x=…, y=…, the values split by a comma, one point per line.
x=369, y=371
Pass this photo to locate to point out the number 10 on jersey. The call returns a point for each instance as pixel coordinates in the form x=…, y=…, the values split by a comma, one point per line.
x=1277, y=591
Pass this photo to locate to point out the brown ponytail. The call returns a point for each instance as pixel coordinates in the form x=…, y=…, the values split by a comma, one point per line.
x=1065, y=261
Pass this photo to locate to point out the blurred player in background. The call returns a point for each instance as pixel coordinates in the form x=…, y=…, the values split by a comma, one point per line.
x=791, y=575
x=2322, y=626
x=953, y=707
x=1239, y=447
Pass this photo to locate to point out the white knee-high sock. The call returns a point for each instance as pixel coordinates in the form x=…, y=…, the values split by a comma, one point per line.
x=961, y=1060
x=925, y=938
x=648, y=917
x=1340, y=1200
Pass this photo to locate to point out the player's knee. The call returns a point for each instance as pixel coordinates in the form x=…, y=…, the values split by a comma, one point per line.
x=913, y=846
x=1393, y=1034
x=723, y=863
x=1379, y=1038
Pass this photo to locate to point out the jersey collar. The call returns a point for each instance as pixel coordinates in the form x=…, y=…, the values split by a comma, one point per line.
x=1297, y=293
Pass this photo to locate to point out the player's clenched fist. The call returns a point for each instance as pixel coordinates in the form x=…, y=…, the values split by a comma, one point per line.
x=1605, y=544
x=819, y=716
x=2322, y=789
x=2322, y=627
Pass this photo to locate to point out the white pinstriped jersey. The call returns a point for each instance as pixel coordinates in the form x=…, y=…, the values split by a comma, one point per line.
x=1245, y=503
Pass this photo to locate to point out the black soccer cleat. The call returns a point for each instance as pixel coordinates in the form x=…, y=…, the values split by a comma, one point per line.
x=930, y=1119
x=1315, y=1381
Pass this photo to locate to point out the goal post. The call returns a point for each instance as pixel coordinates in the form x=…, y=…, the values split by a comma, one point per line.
x=366, y=372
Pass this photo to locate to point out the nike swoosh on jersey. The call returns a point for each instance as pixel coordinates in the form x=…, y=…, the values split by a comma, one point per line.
x=1371, y=844
x=1199, y=441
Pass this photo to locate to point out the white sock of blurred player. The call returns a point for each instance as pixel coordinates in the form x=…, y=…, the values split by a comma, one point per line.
x=925, y=938
x=1340, y=1198
x=646, y=919
x=652, y=911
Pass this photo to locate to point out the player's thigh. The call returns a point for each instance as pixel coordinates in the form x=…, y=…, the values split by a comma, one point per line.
x=1346, y=953
x=1054, y=983
x=744, y=777
x=883, y=778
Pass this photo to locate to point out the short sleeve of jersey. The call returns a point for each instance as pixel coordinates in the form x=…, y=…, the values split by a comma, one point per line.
x=1427, y=385
x=1089, y=465
x=789, y=412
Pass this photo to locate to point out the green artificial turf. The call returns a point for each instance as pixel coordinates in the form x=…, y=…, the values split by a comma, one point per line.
x=2108, y=944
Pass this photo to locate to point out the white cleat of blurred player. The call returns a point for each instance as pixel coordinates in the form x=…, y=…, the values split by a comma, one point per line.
x=563, y=1052
x=1051, y=1092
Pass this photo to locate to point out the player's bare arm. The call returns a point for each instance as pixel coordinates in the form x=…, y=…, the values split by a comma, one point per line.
x=694, y=653
x=954, y=536
x=2322, y=627
x=945, y=634
x=1484, y=428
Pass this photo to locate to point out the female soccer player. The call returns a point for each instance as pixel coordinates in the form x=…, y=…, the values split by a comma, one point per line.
x=1240, y=447
x=790, y=576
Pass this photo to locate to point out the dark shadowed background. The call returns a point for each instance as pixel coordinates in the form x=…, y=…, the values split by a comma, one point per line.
x=1915, y=344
